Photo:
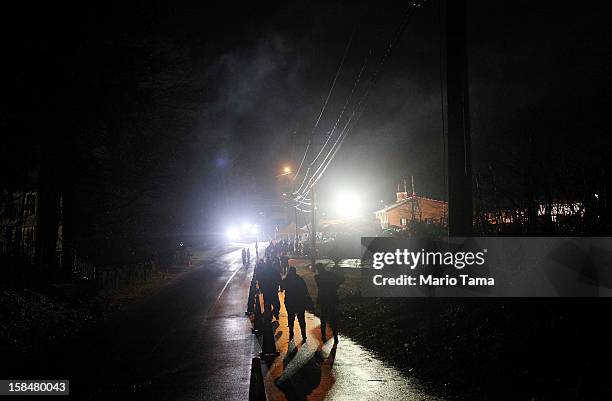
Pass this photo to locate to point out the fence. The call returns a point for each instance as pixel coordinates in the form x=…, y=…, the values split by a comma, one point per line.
x=104, y=277
x=114, y=278
x=82, y=268
x=17, y=250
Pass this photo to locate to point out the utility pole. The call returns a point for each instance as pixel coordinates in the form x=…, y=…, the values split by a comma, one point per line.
x=413, y=202
x=313, y=231
x=296, y=228
x=459, y=152
x=295, y=239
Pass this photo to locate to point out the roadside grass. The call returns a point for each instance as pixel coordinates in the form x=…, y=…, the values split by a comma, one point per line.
x=36, y=317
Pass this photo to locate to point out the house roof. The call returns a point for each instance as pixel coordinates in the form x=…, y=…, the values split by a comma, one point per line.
x=407, y=200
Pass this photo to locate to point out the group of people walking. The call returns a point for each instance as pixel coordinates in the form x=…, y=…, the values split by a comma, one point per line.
x=296, y=247
x=273, y=275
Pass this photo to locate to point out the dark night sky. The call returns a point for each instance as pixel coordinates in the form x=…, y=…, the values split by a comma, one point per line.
x=189, y=99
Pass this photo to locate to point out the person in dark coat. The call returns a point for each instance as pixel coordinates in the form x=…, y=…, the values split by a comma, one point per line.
x=277, y=265
x=327, y=284
x=284, y=261
x=243, y=257
x=269, y=280
x=258, y=269
x=248, y=256
x=296, y=300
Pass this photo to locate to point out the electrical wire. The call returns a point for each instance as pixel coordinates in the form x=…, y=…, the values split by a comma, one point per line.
x=348, y=45
x=346, y=103
x=302, y=210
x=361, y=105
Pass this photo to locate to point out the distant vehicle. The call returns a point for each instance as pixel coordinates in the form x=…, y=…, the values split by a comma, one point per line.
x=245, y=233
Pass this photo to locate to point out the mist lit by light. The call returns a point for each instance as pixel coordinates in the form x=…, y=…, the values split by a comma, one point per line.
x=347, y=204
x=232, y=234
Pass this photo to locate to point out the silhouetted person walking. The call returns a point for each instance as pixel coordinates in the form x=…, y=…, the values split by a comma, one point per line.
x=276, y=263
x=257, y=270
x=269, y=280
x=248, y=256
x=284, y=261
x=243, y=257
x=327, y=284
x=296, y=300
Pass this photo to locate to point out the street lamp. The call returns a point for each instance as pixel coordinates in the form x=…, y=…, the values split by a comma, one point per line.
x=286, y=171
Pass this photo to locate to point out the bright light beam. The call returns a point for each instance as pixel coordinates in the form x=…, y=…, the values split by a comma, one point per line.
x=232, y=234
x=347, y=204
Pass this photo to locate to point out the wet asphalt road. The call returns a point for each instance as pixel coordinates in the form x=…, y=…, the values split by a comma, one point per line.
x=165, y=347
x=190, y=340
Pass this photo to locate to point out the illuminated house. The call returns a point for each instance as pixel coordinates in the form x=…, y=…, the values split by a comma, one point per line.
x=408, y=208
x=550, y=211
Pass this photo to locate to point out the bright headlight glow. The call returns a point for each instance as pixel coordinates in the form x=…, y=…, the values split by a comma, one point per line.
x=347, y=204
x=232, y=233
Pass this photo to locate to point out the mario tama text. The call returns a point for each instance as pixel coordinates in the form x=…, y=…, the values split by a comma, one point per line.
x=430, y=261
x=431, y=280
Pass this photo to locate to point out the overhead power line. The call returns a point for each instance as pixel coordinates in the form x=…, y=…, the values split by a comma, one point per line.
x=331, y=89
x=357, y=111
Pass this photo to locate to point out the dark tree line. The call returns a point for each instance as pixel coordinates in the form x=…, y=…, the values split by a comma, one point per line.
x=102, y=113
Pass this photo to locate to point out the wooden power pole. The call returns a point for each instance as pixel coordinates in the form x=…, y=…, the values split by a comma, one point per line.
x=459, y=152
x=313, y=231
x=295, y=239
